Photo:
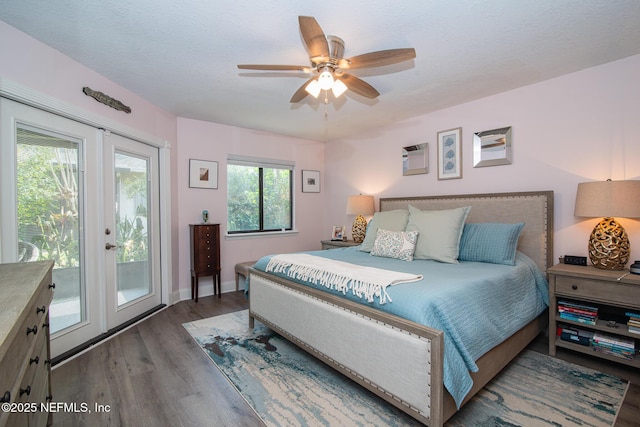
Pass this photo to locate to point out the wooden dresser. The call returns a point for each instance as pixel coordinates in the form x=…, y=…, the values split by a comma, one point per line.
x=205, y=256
x=26, y=291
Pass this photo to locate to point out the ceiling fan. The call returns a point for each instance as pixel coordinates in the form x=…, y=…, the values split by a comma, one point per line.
x=328, y=66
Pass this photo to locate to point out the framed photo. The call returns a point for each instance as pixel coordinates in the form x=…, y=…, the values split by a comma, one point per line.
x=310, y=181
x=203, y=174
x=450, y=154
x=338, y=232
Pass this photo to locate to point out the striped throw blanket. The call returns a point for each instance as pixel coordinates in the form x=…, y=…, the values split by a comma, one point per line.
x=364, y=282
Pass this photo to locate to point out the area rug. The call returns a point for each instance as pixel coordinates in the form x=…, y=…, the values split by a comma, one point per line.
x=288, y=387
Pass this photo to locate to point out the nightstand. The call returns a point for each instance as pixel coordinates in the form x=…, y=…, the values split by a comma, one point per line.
x=335, y=244
x=611, y=293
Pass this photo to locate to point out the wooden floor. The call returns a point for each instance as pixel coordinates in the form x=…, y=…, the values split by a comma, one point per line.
x=154, y=374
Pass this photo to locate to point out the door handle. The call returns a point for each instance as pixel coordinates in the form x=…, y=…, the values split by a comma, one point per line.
x=108, y=246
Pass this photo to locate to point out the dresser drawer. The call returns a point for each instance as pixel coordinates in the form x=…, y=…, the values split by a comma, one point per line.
x=29, y=340
x=580, y=288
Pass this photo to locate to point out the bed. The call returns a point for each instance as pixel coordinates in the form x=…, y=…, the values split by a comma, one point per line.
x=397, y=358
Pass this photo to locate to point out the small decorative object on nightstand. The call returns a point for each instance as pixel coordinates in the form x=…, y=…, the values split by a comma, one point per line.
x=335, y=244
x=591, y=309
x=359, y=205
x=609, y=246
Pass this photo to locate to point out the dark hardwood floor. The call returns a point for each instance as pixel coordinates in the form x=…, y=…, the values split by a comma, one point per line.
x=154, y=374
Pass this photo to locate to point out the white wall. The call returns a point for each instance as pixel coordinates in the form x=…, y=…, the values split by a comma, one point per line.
x=580, y=127
x=210, y=141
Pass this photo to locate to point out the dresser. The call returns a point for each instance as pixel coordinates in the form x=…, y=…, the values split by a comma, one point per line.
x=26, y=291
x=205, y=256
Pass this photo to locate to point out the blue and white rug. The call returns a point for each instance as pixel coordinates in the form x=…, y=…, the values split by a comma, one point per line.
x=288, y=387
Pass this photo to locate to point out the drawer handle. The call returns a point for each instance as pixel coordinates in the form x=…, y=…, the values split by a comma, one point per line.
x=6, y=398
x=47, y=362
x=45, y=325
x=41, y=309
x=26, y=391
x=33, y=330
x=52, y=286
x=49, y=398
x=574, y=287
x=35, y=360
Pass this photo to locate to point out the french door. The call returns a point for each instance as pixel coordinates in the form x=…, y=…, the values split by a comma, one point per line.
x=89, y=200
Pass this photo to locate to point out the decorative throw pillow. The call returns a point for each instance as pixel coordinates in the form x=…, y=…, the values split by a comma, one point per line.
x=490, y=242
x=439, y=232
x=395, y=244
x=395, y=220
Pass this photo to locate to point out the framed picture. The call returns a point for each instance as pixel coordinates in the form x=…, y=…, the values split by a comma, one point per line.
x=203, y=174
x=310, y=181
x=450, y=154
x=338, y=232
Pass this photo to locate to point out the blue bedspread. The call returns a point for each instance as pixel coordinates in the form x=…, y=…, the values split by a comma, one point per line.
x=477, y=305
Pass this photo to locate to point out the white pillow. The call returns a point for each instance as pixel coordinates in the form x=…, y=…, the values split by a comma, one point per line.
x=395, y=244
x=439, y=232
x=395, y=220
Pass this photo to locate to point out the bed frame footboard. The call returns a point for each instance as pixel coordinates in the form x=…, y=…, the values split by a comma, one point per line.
x=357, y=341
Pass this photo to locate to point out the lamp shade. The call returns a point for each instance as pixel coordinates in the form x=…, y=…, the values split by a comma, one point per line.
x=360, y=205
x=608, y=199
x=609, y=246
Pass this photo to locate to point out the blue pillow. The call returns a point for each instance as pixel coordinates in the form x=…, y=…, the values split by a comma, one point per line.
x=490, y=242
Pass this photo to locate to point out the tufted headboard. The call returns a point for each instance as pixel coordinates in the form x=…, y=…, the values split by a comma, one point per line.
x=534, y=208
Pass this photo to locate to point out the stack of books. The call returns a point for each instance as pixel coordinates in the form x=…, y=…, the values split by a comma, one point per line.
x=634, y=322
x=578, y=312
x=614, y=345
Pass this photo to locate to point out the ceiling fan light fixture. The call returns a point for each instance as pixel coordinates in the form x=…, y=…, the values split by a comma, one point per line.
x=313, y=88
x=325, y=79
x=338, y=88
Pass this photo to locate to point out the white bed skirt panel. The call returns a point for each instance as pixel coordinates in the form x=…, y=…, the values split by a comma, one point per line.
x=396, y=362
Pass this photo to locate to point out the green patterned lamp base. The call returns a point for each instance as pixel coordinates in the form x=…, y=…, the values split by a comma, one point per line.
x=359, y=229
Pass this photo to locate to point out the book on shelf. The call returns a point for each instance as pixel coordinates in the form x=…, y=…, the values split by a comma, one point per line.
x=614, y=345
x=576, y=312
x=578, y=318
x=633, y=315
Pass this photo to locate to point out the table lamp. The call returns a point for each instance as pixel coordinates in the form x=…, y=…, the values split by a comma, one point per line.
x=609, y=246
x=359, y=205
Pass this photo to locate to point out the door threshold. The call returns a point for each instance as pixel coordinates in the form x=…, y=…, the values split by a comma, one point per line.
x=76, y=351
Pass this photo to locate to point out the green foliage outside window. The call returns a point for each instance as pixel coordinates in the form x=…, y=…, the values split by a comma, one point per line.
x=258, y=199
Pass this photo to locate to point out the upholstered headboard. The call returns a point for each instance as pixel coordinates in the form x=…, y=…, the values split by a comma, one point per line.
x=534, y=208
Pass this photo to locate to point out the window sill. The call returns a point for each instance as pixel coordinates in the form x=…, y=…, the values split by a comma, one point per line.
x=240, y=236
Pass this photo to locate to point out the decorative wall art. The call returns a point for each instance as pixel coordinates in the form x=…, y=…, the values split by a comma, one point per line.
x=203, y=174
x=492, y=147
x=415, y=159
x=450, y=154
x=310, y=181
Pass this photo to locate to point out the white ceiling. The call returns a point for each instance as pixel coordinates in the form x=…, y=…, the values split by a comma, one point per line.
x=182, y=54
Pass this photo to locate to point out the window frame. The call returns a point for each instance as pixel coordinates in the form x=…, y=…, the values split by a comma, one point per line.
x=261, y=164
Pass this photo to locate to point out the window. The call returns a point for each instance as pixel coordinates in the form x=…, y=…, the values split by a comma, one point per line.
x=259, y=195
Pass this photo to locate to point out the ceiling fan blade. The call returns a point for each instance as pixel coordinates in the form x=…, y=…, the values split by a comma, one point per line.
x=301, y=93
x=274, y=67
x=359, y=86
x=313, y=37
x=378, y=58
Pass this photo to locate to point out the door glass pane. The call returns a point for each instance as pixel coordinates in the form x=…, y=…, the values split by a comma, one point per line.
x=132, y=225
x=49, y=216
